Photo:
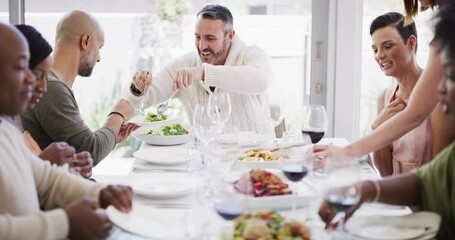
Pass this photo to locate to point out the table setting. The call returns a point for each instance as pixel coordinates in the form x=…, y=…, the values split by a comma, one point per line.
x=210, y=186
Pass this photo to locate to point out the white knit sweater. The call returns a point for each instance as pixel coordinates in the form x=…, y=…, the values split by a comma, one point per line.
x=246, y=76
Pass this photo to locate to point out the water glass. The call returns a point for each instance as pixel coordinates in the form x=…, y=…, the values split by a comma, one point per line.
x=195, y=156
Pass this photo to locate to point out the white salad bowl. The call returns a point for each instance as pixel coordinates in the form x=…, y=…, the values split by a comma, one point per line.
x=141, y=135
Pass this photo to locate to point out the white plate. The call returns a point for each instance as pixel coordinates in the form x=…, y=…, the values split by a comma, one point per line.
x=149, y=222
x=227, y=138
x=249, y=139
x=389, y=232
x=162, y=155
x=164, y=188
x=418, y=226
x=141, y=135
x=303, y=195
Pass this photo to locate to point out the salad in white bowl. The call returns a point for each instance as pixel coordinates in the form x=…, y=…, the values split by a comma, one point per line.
x=168, y=134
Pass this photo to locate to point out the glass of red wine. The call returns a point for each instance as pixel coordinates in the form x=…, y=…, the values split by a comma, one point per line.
x=342, y=200
x=342, y=193
x=229, y=208
x=295, y=169
x=314, y=122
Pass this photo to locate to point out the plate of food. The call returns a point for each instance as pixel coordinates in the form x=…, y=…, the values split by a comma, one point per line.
x=165, y=135
x=257, y=158
x=262, y=158
x=266, y=189
x=269, y=225
x=151, y=119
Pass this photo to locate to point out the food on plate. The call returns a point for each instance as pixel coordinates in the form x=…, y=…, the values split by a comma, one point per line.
x=168, y=130
x=260, y=183
x=259, y=155
x=152, y=117
x=268, y=226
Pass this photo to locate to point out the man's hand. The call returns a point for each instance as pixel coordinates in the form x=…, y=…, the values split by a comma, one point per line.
x=119, y=196
x=389, y=111
x=59, y=153
x=125, y=108
x=125, y=131
x=84, y=164
x=186, y=76
x=85, y=222
x=141, y=80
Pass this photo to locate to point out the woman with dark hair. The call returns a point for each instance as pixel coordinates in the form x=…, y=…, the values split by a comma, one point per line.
x=422, y=102
x=433, y=185
x=394, y=46
x=40, y=62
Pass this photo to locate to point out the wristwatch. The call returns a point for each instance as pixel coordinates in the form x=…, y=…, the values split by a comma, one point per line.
x=135, y=91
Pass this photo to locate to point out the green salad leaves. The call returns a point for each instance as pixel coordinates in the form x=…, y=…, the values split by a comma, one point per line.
x=169, y=130
x=151, y=117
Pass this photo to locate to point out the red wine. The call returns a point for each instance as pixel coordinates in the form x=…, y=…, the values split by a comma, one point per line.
x=316, y=134
x=228, y=211
x=295, y=172
x=341, y=204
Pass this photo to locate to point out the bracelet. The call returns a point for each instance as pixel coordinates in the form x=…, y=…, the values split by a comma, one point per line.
x=117, y=113
x=377, y=190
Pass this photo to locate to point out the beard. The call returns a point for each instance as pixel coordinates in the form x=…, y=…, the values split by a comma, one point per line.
x=86, y=66
x=215, y=55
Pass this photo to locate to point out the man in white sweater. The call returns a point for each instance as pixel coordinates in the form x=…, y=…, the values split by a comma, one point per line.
x=222, y=61
x=28, y=183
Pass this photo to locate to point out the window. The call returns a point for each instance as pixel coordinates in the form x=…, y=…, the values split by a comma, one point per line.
x=148, y=34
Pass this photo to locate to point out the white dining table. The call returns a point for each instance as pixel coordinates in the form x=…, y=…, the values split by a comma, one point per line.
x=190, y=216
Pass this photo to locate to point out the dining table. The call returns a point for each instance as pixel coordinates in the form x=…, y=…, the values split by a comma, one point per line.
x=188, y=214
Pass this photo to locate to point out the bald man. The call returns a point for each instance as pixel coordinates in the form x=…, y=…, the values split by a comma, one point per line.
x=56, y=117
x=27, y=182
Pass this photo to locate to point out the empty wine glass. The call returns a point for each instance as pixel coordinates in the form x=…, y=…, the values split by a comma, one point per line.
x=219, y=108
x=314, y=121
x=203, y=126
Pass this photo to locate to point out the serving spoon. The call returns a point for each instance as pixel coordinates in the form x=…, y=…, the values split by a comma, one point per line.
x=165, y=105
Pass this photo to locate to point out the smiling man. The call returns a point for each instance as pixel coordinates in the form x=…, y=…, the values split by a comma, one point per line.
x=223, y=62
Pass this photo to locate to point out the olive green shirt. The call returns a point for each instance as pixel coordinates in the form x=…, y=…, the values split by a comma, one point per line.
x=57, y=118
x=437, y=188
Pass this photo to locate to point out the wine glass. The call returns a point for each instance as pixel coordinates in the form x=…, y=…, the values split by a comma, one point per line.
x=342, y=194
x=274, y=114
x=219, y=107
x=295, y=168
x=229, y=208
x=203, y=126
x=314, y=121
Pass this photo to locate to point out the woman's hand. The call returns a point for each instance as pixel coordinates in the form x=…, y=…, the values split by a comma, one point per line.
x=389, y=111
